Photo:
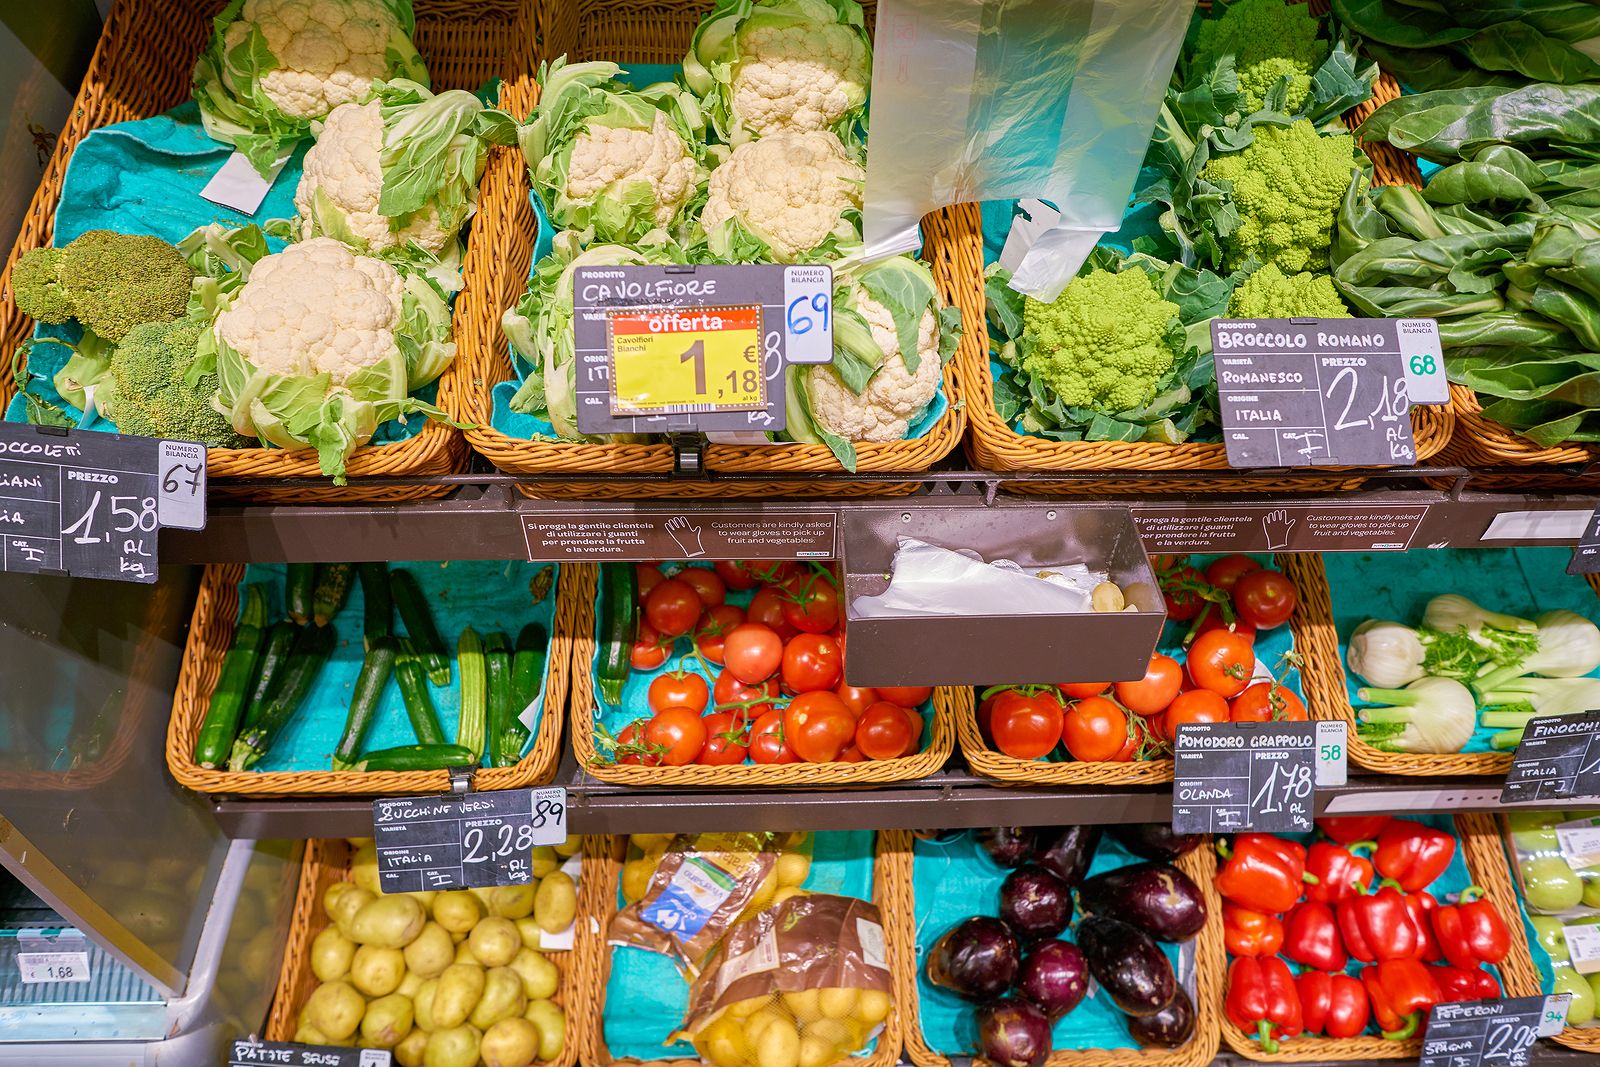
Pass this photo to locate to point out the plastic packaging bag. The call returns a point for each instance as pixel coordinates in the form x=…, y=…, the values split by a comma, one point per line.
x=929, y=580
x=1036, y=98
x=1557, y=865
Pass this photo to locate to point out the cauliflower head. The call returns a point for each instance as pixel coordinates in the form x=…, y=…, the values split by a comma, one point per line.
x=790, y=190
x=1287, y=185
x=342, y=174
x=1271, y=294
x=894, y=394
x=1270, y=40
x=1104, y=343
x=606, y=160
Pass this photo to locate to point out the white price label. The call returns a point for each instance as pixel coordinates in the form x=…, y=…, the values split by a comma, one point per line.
x=1332, y=755
x=1423, y=360
x=1580, y=842
x=1583, y=945
x=181, y=499
x=808, y=314
x=39, y=968
x=236, y=184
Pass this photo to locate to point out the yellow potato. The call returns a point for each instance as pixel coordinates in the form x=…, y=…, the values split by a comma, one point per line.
x=723, y=1042
x=460, y=986
x=778, y=1045
x=841, y=1034
x=839, y=1003
x=457, y=911
x=494, y=941
x=388, y=922
x=815, y=1052
x=652, y=842
x=543, y=860
x=464, y=953
x=482, y=893
x=335, y=1008
x=569, y=847
x=377, y=972
x=743, y=1009
x=785, y=892
x=502, y=998
x=765, y=891
x=425, y=898
x=636, y=874
x=540, y=979
x=793, y=867
x=343, y=899
x=310, y=1035
x=409, y=1052
x=456, y=1046
x=364, y=868
x=422, y=1005
x=551, y=1022
x=357, y=842
x=331, y=953
x=873, y=1006
x=410, y=984
x=388, y=1020
x=511, y=901
x=509, y=1043
x=431, y=952
x=803, y=1005
x=556, y=902
x=528, y=930
x=757, y=1023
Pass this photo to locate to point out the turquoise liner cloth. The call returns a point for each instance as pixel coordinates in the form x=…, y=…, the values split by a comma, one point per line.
x=487, y=595
x=646, y=995
x=956, y=880
x=1398, y=585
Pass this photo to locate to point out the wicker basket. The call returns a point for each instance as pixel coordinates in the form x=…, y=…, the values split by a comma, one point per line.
x=211, y=630
x=328, y=862
x=1491, y=444
x=599, y=901
x=1199, y=865
x=658, y=31
x=142, y=66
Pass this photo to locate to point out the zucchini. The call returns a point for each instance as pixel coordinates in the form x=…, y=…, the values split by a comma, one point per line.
x=299, y=582
x=376, y=666
x=312, y=647
x=424, y=634
x=419, y=703
x=332, y=590
x=527, y=671
x=619, y=628
x=474, y=693
x=497, y=669
x=233, y=684
x=274, y=655
x=416, y=758
x=377, y=606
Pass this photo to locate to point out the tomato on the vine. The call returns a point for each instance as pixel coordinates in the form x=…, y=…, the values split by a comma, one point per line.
x=915, y=719
x=1223, y=572
x=1265, y=598
x=678, y=689
x=1079, y=690
x=907, y=696
x=811, y=602
x=728, y=693
x=706, y=585
x=1094, y=730
x=735, y=574
x=884, y=731
x=766, y=608
x=812, y=662
x=711, y=635
x=818, y=727
x=1163, y=563
x=767, y=741
x=1025, y=726
x=1192, y=706
x=1152, y=693
x=680, y=732
x=631, y=741
x=650, y=649
x=672, y=607
x=772, y=572
x=1213, y=621
x=727, y=739
x=1182, y=604
x=648, y=576
x=753, y=653
x=856, y=699
x=1139, y=731
x=1222, y=661
x=1268, y=702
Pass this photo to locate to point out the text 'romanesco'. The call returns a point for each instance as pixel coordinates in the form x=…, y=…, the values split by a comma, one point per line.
x=1104, y=343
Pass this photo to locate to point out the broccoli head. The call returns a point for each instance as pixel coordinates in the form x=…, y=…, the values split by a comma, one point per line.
x=158, y=392
x=1269, y=40
x=1104, y=343
x=110, y=282
x=1271, y=294
x=1287, y=185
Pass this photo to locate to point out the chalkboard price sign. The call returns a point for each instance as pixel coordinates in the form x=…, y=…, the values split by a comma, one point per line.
x=1252, y=775
x=294, y=1054
x=1557, y=759
x=465, y=841
x=1495, y=1033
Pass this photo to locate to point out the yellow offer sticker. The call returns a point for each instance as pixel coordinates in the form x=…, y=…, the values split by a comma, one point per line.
x=683, y=360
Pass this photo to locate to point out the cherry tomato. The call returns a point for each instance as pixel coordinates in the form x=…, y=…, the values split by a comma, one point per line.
x=884, y=731
x=631, y=741
x=812, y=602
x=678, y=689
x=1194, y=705
x=1025, y=727
x=766, y=608
x=1153, y=692
x=1268, y=702
x=735, y=574
x=767, y=741
x=1223, y=572
x=915, y=744
x=727, y=737
x=680, y=732
x=1079, y=690
x=1265, y=598
x=856, y=699
x=1182, y=604
x=1222, y=662
x=750, y=702
x=851, y=755
x=672, y=607
x=711, y=636
x=753, y=652
x=649, y=576
x=1213, y=621
x=1162, y=564
x=1094, y=730
x=706, y=585
x=907, y=696
x=812, y=662
x=649, y=649
x=818, y=727
x=770, y=572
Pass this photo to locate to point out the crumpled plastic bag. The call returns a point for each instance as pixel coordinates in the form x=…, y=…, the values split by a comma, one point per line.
x=929, y=580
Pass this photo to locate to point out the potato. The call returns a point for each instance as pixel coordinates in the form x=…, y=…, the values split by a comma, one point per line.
x=510, y=1043
x=653, y=842
x=388, y=922
x=793, y=867
x=343, y=900
x=873, y=1006
x=388, y=1020
x=743, y=1009
x=803, y=1005
x=357, y=842
x=502, y=998
x=528, y=930
x=453, y=1047
x=422, y=1004
x=460, y=986
x=376, y=972
x=540, y=979
x=482, y=893
x=569, y=847
x=838, y=1003
x=511, y=901
x=425, y=898
x=841, y=1034
x=543, y=860
x=335, y=1008
x=464, y=954
x=457, y=911
x=723, y=1043
x=408, y=1053
x=495, y=941
x=431, y=952
x=410, y=984
x=785, y=892
x=310, y=1035
x=778, y=1045
x=364, y=868
x=331, y=953
x=556, y=902
x=551, y=1022
x=815, y=1052
x=757, y=1024
x=636, y=875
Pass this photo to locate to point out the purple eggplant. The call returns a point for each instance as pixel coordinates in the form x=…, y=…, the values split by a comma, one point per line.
x=1170, y=1027
x=1155, y=840
x=977, y=959
x=1009, y=846
x=1013, y=1033
x=1035, y=903
x=1054, y=976
x=1128, y=965
x=1157, y=898
x=1067, y=851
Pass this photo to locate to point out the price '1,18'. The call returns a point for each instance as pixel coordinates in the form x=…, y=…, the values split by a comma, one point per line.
x=740, y=382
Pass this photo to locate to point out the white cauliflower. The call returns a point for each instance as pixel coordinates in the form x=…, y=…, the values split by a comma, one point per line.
x=329, y=51
x=790, y=190
x=343, y=167
x=605, y=159
x=893, y=396
x=798, y=76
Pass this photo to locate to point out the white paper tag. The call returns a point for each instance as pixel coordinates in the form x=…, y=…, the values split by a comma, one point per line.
x=1332, y=743
x=1025, y=230
x=808, y=314
x=1554, y=1019
x=870, y=934
x=236, y=184
x=563, y=941
x=41, y=968
x=182, y=488
x=1583, y=945
x=1580, y=842
x=1565, y=526
x=1423, y=361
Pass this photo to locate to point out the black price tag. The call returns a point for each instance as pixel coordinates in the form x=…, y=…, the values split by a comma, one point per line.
x=1586, y=556
x=1557, y=759
x=255, y=1053
x=1492, y=1032
x=1313, y=392
x=465, y=842
x=92, y=504
x=1230, y=776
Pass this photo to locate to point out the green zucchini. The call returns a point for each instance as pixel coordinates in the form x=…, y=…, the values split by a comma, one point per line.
x=497, y=668
x=376, y=605
x=419, y=703
x=299, y=583
x=233, y=684
x=376, y=666
x=416, y=758
x=269, y=671
x=408, y=600
x=619, y=627
x=527, y=672
x=332, y=590
x=312, y=647
x=474, y=693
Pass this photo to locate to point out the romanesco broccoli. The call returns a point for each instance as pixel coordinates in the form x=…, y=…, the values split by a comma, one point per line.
x=1104, y=343
x=1269, y=39
x=1271, y=294
x=151, y=371
x=110, y=282
x=1287, y=185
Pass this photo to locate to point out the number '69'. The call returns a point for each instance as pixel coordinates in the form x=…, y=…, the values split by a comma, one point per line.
x=799, y=322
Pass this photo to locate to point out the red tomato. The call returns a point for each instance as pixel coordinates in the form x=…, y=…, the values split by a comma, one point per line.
x=1213, y=621
x=1079, y=690
x=1194, y=705
x=1222, y=662
x=812, y=602
x=1025, y=727
x=1268, y=702
x=766, y=608
x=915, y=719
x=1265, y=598
x=706, y=585
x=818, y=726
x=735, y=574
x=1094, y=730
x=884, y=731
x=1182, y=604
x=678, y=689
x=672, y=607
x=771, y=572
x=1162, y=564
x=851, y=755
x=727, y=737
x=649, y=650
x=767, y=741
x=751, y=702
x=1138, y=733
x=1224, y=572
x=856, y=699
x=711, y=636
x=680, y=732
x=1155, y=690
x=753, y=652
x=907, y=696
x=812, y=662
x=649, y=576
x=631, y=741
x=984, y=715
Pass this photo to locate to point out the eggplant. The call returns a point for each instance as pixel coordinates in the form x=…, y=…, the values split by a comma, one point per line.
x=1009, y=846
x=976, y=959
x=1157, y=898
x=1013, y=1033
x=1127, y=964
x=1035, y=903
x=1067, y=851
x=1155, y=840
x=1170, y=1027
x=1054, y=976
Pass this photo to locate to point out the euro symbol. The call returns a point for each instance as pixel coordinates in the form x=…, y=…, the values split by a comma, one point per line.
x=750, y=354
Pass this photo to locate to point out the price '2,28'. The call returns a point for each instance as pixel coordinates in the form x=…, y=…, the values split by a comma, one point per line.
x=508, y=841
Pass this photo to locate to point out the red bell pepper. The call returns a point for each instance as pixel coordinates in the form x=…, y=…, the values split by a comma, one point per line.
x=1262, y=1000
x=1471, y=931
x=1377, y=926
x=1262, y=872
x=1311, y=937
x=1401, y=992
x=1412, y=854
x=1347, y=829
x=1465, y=983
x=1421, y=907
x=1339, y=873
x=1250, y=933
x=1334, y=1005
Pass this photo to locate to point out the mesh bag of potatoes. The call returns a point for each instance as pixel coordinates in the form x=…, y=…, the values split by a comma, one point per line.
x=443, y=979
x=804, y=983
